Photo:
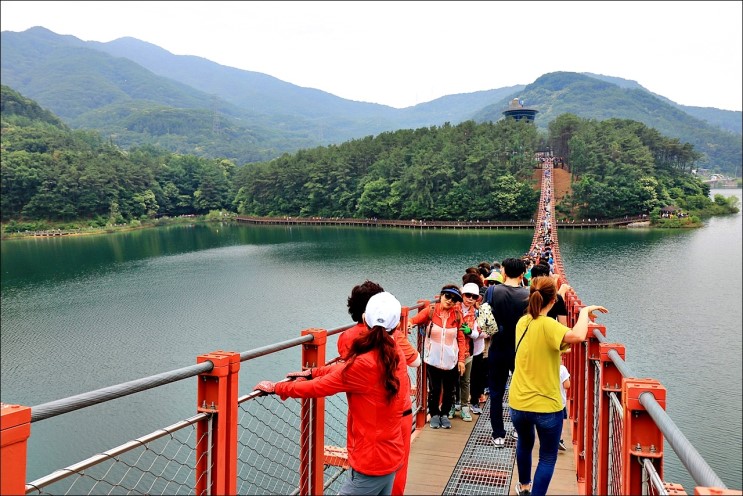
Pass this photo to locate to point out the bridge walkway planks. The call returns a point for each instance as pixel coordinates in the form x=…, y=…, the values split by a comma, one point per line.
x=460, y=460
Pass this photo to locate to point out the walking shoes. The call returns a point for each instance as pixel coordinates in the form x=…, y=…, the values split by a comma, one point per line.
x=435, y=422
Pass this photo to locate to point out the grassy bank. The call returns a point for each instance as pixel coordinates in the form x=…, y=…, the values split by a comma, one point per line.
x=43, y=228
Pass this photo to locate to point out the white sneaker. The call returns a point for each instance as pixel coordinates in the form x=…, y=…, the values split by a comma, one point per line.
x=466, y=414
x=498, y=442
x=514, y=434
x=476, y=409
x=521, y=491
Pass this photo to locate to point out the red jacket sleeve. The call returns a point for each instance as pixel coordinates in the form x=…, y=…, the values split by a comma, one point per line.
x=324, y=370
x=421, y=317
x=332, y=382
x=410, y=353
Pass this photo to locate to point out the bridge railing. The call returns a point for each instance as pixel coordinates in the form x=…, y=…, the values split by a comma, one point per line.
x=442, y=224
x=251, y=444
x=619, y=422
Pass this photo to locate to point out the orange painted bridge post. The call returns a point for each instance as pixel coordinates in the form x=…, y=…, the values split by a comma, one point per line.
x=217, y=394
x=610, y=381
x=586, y=443
x=15, y=429
x=641, y=438
x=420, y=375
x=312, y=420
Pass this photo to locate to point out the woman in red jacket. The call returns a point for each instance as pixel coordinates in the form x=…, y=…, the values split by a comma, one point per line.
x=376, y=398
x=360, y=295
x=443, y=351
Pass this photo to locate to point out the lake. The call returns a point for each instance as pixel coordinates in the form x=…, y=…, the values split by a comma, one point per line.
x=84, y=312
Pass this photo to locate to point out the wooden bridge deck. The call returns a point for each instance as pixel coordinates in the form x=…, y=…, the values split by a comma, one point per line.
x=434, y=455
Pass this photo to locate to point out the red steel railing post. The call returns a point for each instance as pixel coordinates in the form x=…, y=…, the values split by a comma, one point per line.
x=584, y=463
x=641, y=438
x=312, y=433
x=611, y=381
x=15, y=429
x=217, y=394
x=578, y=383
x=422, y=392
x=714, y=491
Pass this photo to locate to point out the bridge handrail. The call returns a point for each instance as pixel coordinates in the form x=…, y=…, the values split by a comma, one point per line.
x=90, y=398
x=698, y=468
x=695, y=464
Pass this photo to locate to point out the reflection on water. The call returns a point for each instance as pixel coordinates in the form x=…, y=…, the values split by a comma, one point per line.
x=81, y=313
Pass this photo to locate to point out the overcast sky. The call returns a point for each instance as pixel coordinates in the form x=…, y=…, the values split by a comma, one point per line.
x=404, y=53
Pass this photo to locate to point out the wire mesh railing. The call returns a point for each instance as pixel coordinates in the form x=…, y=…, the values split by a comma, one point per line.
x=162, y=462
x=651, y=482
x=595, y=428
x=250, y=445
x=615, y=447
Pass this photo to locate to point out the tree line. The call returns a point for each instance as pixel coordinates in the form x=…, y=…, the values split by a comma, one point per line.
x=622, y=167
x=467, y=171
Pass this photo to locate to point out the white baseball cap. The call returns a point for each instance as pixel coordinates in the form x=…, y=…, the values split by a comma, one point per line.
x=383, y=310
x=471, y=288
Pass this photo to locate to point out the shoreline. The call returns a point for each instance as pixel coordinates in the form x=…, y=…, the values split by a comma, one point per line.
x=90, y=231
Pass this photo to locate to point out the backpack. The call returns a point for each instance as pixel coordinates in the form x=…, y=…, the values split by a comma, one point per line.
x=486, y=319
x=458, y=317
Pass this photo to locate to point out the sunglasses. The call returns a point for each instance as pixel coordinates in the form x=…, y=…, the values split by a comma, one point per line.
x=471, y=296
x=449, y=296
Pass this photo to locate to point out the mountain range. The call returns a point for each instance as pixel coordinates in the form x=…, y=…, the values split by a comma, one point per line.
x=136, y=93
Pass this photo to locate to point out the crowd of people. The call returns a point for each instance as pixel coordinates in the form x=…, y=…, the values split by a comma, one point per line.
x=463, y=364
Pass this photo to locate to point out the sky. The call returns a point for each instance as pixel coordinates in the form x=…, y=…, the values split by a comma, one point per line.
x=405, y=53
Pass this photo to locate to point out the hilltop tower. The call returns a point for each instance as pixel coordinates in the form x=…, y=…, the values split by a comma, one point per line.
x=517, y=111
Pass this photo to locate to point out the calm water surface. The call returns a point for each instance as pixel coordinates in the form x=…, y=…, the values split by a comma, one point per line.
x=81, y=313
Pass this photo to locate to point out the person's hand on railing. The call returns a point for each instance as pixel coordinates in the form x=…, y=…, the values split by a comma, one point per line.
x=593, y=308
x=302, y=375
x=266, y=387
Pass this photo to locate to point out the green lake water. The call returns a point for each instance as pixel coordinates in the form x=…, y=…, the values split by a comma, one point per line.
x=82, y=313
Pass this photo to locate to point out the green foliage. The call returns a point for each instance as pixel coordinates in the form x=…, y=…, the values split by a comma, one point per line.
x=469, y=171
x=16, y=108
x=135, y=94
x=50, y=172
x=622, y=167
x=567, y=95
x=219, y=215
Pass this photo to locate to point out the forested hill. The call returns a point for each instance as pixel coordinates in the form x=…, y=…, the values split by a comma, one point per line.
x=135, y=93
x=14, y=104
x=50, y=172
x=478, y=172
x=592, y=98
x=467, y=171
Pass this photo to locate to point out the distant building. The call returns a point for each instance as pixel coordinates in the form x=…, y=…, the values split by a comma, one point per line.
x=517, y=110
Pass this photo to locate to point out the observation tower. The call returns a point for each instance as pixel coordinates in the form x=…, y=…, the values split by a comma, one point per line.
x=517, y=110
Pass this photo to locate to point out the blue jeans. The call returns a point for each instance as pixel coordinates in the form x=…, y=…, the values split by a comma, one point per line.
x=549, y=430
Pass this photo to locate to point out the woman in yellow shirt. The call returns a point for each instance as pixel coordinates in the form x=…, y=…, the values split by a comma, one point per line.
x=534, y=395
